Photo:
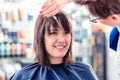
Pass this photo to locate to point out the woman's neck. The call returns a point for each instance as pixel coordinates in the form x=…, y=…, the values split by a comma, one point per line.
x=56, y=60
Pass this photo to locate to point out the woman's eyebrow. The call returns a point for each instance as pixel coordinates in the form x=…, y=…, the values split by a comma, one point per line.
x=54, y=29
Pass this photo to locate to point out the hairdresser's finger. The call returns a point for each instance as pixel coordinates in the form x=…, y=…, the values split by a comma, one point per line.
x=47, y=5
x=48, y=10
x=52, y=13
x=52, y=9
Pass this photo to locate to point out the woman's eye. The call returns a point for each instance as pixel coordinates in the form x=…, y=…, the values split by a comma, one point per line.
x=67, y=32
x=53, y=32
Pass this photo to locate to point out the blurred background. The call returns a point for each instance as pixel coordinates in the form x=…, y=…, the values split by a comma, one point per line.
x=17, y=20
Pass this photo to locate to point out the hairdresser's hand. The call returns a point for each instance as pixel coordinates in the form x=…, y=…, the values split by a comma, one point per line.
x=51, y=7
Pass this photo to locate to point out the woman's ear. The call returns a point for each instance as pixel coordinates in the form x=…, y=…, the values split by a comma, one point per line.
x=116, y=18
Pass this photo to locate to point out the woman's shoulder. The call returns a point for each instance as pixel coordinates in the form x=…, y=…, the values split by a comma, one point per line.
x=79, y=64
x=81, y=67
x=25, y=72
x=84, y=70
x=31, y=66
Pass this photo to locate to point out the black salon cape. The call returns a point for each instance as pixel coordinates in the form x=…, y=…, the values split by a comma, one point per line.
x=75, y=71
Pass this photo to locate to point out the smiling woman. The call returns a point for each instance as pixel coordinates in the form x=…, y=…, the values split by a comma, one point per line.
x=53, y=39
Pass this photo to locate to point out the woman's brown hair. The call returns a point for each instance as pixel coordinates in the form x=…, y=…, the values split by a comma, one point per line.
x=43, y=24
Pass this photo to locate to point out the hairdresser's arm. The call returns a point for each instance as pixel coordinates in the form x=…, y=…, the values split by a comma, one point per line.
x=51, y=7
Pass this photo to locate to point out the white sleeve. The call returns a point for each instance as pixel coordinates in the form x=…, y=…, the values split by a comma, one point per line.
x=118, y=27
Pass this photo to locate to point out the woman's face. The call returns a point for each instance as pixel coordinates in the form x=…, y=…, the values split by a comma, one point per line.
x=57, y=43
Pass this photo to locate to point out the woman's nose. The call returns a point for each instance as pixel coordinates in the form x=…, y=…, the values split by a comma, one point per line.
x=61, y=38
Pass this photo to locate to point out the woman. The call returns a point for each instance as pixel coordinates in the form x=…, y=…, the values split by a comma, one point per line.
x=53, y=48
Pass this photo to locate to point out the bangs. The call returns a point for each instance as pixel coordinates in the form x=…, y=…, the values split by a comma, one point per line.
x=59, y=20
